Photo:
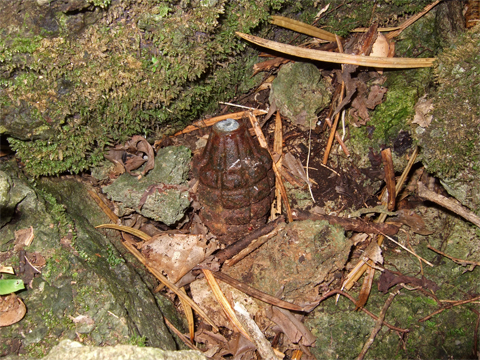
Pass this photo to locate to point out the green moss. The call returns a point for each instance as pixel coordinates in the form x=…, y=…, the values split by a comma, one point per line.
x=450, y=143
x=395, y=113
x=116, y=80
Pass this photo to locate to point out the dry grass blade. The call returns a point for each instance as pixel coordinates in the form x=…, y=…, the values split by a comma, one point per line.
x=187, y=309
x=319, y=55
x=223, y=302
x=111, y=215
x=129, y=244
x=135, y=232
x=263, y=143
x=301, y=27
x=212, y=121
x=278, y=150
x=412, y=20
x=180, y=335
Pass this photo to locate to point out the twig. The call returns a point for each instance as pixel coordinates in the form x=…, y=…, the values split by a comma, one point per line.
x=449, y=306
x=257, y=293
x=308, y=162
x=408, y=250
x=243, y=107
x=458, y=261
x=255, y=244
x=263, y=143
x=450, y=204
x=212, y=121
x=333, y=129
x=358, y=271
x=410, y=21
x=180, y=335
x=389, y=178
x=378, y=325
x=256, y=336
x=350, y=297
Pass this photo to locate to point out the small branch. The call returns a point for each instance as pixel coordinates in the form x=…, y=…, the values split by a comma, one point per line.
x=378, y=325
x=348, y=224
x=263, y=346
x=272, y=300
x=212, y=121
x=448, y=307
x=350, y=297
x=458, y=261
x=450, y=204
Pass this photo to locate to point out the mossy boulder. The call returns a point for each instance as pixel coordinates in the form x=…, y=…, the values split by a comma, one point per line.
x=167, y=203
x=78, y=76
x=86, y=290
x=451, y=142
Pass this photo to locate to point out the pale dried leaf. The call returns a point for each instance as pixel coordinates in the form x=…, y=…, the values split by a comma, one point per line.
x=374, y=253
x=423, y=108
x=177, y=254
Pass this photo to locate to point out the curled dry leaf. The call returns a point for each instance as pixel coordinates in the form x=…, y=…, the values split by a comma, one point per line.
x=292, y=327
x=12, y=310
x=413, y=220
x=177, y=254
x=132, y=155
x=423, y=110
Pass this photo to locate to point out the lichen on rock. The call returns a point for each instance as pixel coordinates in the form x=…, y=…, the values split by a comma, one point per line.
x=300, y=93
x=166, y=203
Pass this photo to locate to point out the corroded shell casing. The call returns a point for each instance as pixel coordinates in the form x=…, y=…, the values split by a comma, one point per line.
x=235, y=181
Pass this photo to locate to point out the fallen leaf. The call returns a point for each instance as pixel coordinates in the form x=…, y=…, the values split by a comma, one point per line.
x=12, y=310
x=23, y=237
x=177, y=254
x=389, y=279
x=292, y=327
x=413, y=220
x=423, y=108
x=8, y=286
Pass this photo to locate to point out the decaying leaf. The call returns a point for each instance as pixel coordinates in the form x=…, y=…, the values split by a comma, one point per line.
x=177, y=254
x=389, y=279
x=366, y=287
x=295, y=166
x=136, y=152
x=413, y=220
x=23, y=237
x=423, y=110
x=374, y=253
x=12, y=310
x=295, y=330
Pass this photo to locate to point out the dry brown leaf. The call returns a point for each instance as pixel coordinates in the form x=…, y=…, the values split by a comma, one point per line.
x=12, y=310
x=295, y=330
x=366, y=288
x=423, y=110
x=177, y=254
x=23, y=237
x=374, y=253
x=413, y=220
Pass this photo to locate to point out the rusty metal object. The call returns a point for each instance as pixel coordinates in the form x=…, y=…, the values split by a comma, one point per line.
x=235, y=181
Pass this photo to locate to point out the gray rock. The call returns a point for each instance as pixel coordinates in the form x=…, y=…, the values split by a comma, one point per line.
x=68, y=349
x=167, y=203
x=300, y=93
x=86, y=287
